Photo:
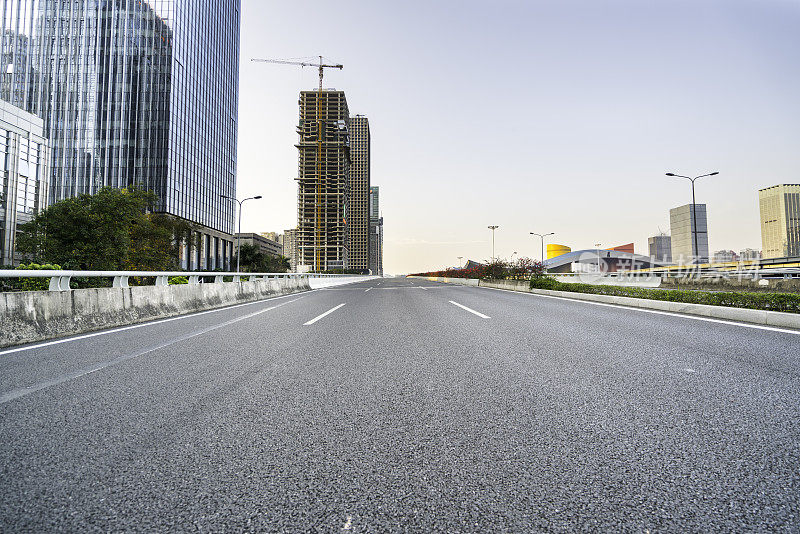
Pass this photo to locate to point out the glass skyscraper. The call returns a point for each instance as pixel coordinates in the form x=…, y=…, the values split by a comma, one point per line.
x=134, y=92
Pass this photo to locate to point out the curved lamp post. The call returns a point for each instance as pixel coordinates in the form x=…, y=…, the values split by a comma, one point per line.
x=238, y=233
x=694, y=210
x=542, y=236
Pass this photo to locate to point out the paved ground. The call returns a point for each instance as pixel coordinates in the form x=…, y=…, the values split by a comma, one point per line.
x=403, y=411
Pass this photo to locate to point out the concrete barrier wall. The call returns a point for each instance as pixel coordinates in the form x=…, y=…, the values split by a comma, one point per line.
x=762, y=317
x=31, y=316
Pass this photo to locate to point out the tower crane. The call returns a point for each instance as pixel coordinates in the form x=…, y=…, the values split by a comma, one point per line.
x=318, y=222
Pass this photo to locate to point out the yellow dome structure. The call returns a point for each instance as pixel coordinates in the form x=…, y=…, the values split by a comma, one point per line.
x=554, y=250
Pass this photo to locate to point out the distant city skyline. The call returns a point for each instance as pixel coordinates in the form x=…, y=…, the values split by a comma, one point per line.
x=536, y=116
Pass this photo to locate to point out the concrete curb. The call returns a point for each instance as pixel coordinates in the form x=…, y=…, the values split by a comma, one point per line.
x=744, y=315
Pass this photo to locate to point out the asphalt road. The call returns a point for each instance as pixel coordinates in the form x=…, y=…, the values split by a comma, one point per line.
x=403, y=409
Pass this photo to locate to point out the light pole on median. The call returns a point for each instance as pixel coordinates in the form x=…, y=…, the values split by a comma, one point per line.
x=542, y=236
x=493, y=228
x=694, y=210
x=239, y=232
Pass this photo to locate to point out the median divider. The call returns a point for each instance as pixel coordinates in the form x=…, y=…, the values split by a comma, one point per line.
x=760, y=317
x=31, y=316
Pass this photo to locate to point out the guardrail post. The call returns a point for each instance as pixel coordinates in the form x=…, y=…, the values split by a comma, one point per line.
x=60, y=283
x=162, y=280
x=120, y=281
x=217, y=279
x=237, y=278
x=194, y=279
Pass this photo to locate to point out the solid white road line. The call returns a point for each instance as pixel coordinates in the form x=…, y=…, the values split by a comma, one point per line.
x=318, y=317
x=423, y=287
x=142, y=325
x=657, y=312
x=367, y=289
x=21, y=392
x=479, y=314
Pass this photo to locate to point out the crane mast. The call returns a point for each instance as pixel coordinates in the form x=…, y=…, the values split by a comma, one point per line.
x=318, y=244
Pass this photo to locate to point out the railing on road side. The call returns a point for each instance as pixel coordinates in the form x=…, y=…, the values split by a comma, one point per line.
x=59, y=280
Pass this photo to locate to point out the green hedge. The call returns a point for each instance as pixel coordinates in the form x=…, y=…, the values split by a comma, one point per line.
x=29, y=284
x=783, y=302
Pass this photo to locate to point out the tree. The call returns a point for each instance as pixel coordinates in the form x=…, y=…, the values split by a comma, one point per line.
x=114, y=229
x=255, y=261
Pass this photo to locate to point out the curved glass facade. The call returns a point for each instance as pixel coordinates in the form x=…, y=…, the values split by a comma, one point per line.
x=132, y=92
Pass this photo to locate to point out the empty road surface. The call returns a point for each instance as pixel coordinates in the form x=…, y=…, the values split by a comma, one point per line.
x=405, y=405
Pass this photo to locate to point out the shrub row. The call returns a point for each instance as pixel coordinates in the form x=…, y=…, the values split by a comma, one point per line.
x=27, y=284
x=783, y=302
x=523, y=268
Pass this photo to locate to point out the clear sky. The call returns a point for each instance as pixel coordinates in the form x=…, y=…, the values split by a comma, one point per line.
x=544, y=116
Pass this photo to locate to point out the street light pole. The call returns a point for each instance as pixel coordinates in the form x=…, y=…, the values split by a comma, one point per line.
x=493, y=228
x=694, y=211
x=239, y=232
x=542, y=236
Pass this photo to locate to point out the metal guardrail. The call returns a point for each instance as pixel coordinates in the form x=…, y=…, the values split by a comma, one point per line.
x=59, y=280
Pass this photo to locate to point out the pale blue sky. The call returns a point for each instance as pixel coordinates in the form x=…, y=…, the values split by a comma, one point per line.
x=558, y=116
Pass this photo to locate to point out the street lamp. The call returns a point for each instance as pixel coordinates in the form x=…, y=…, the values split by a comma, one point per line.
x=493, y=228
x=542, y=236
x=238, y=234
x=694, y=210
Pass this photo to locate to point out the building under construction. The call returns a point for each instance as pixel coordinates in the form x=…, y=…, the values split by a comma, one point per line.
x=358, y=204
x=323, y=174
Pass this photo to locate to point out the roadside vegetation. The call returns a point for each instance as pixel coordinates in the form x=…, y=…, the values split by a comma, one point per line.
x=783, y=302
x=521, y=269
x=113, y=230
x=255, y=261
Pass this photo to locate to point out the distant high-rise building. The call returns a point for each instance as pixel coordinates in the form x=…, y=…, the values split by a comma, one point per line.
x=660, y=247
x=134, y=93
x=323, y=181
x=374, y=202
x=749, y=254
x=24, y=171
x=375, y=232
x=682, y=229
x=780, y=220
x=358, y=215
x=272, y=236
x=724, y=256
x=290, y=247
